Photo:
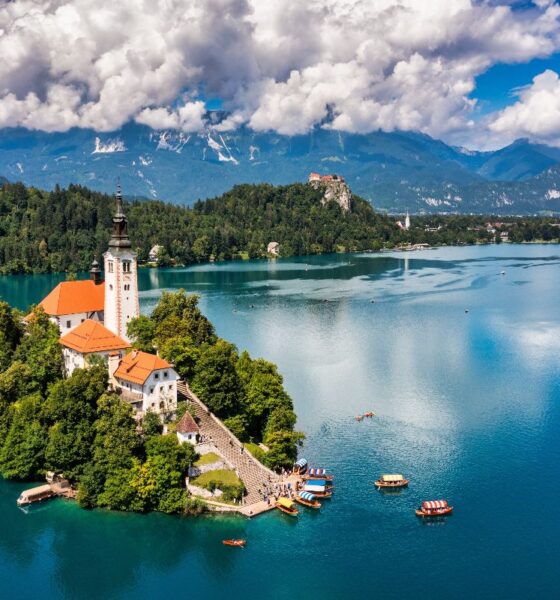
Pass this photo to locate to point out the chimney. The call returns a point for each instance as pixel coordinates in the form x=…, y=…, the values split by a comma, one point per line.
x=114, y=360
x=95, y=272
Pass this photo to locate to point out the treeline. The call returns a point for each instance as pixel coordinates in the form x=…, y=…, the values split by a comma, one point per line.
x=78, y=428
x=65, y=229
x=247, y=394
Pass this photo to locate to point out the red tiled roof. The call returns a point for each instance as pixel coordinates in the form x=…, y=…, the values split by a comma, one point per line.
x=91, y=336
x=71, y=297
x=137, y=366
x=187, y=424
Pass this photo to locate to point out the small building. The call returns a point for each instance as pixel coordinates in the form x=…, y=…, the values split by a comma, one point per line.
x=273, y=248
x=72, y=302
x=147, y=381
x=187, y=429
x=153, y=255
x=86, y=340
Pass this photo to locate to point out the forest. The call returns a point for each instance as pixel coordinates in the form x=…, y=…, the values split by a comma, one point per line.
x=63, y=230
x=77, y=427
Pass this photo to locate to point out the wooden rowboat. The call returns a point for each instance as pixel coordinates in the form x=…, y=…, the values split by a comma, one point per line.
x=391, y=481
x=307, y=499
x=239, y=543
x=434, y=508
x=287, y=507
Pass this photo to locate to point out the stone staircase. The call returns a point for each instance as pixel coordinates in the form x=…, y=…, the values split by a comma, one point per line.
x=253, y=474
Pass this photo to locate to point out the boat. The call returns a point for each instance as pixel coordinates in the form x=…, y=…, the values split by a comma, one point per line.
x=434, y=508
x=359, y=418
x=238, y=543
x=315, y=473
x=36, y=494
x=319, y=487
x=287, y=506
x=391, y=481
x=369, y=414
x=300, y=466
x=308, y=499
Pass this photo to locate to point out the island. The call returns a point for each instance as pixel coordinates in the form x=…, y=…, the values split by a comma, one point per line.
x=135, y=412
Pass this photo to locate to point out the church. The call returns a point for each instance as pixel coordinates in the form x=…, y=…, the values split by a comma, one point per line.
x=92, y=316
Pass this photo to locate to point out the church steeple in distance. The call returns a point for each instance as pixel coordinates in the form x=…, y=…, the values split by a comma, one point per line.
x=119, y=237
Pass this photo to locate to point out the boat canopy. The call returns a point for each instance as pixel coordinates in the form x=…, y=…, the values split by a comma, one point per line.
x=431, y=504
x=313, y=487
x=315, y=471
x=322, y=482
x=307, y=496
x=301, y=463
x=286, y=502
x=392, y=478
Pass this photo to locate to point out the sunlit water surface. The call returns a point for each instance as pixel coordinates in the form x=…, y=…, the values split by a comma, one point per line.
x=467, y=404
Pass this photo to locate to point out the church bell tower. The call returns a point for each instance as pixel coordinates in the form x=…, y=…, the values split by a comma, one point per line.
x=121, y=277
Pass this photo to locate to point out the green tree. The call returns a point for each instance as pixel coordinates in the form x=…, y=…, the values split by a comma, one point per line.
x=282, y=448
x=216, y=381
x=10, y=335
x=151, y=424
x=40, y=349
x=178, y=314
x=182, y=353
x=70, y=411
x=22, y=455
x=142, y=331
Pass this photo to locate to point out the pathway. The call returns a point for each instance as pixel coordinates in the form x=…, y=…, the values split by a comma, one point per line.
x=253, y=474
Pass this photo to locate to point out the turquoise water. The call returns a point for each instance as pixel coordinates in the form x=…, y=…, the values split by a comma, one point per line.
x=468, y=407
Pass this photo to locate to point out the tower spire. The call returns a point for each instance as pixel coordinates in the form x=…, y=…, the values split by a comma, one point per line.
x=119, y=237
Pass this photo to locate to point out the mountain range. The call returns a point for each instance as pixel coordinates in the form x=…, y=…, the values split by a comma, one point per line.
x=395, y=171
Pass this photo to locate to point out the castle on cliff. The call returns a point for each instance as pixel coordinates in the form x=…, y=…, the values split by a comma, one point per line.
x=334, y=188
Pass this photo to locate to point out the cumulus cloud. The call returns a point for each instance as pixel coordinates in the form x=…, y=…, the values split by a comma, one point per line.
x=535, y=115
x=283, y=65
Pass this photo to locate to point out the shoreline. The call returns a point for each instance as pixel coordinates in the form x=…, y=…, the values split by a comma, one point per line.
x=401, y=248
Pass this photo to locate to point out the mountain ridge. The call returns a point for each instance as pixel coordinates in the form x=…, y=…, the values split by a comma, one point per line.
x=395, y=171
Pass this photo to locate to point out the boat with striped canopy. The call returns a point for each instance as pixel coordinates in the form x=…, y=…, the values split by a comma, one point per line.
x=320, y=487
x=434, y=508
x=317, y=473
x=287, y=506
x=300, y=466
x=308, y=499
x=395, y=480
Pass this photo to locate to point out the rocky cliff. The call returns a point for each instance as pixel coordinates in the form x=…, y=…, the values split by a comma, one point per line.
x=334, y=187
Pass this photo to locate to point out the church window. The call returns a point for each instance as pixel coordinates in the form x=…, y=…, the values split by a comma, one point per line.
x=111, y=286
x=156, y=376
x=68, y=324
x=151, y=391
x=126, y=266
x=165, y=373
x=110, y=266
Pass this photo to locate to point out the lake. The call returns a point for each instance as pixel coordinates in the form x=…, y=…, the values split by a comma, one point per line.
x=467, y=405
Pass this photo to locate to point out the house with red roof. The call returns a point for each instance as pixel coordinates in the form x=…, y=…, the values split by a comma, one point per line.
x=89, y=339
x=72, y=302
x=187, y=429
x=146, y=380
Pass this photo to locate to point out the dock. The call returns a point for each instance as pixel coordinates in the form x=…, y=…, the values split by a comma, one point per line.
x=55, y=487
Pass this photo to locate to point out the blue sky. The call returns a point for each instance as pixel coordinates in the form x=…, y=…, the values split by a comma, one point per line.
x=496, y=88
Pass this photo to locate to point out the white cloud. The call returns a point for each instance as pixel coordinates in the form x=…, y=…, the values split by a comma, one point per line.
x=535, y=115
x=286, y=65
